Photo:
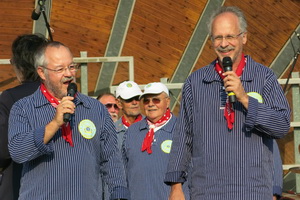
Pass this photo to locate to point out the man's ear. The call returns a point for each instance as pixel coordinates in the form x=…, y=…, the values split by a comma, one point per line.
x=119, y=103
x=245, y=38
x=168, y=102
x=41, y=73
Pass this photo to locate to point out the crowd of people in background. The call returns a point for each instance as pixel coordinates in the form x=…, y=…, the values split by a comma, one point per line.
x=128, y=144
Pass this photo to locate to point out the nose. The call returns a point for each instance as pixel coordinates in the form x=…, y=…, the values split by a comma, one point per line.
x=134, y=102
x=224, y=42
x=112, y=109
x=151, y=103
x=67, y=72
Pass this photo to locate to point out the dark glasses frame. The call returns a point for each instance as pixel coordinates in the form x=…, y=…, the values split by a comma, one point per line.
x=136, y=98
x=154, y=100
x=110, y=105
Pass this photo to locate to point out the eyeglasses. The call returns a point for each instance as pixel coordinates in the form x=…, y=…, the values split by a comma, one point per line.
x=154, y=100
x=136, y=98
x=110, y=105
x=71, y=68
x=229, y=38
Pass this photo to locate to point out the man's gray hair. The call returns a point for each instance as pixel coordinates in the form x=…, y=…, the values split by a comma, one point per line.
x=232, y=9
x=39, y=57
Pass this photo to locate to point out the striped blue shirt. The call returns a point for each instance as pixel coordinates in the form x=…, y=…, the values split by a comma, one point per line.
x=278, y=171
x=145, y=172
x=56, y=170
x=236, y=164
x=121, y=129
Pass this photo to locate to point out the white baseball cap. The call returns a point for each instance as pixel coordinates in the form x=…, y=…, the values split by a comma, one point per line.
x=155, y=88
x=127, y=90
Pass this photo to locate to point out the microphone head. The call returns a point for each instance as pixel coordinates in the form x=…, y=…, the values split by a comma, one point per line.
x=72, y=89
x=35, y=15
x=227, y=64
x=227, y=61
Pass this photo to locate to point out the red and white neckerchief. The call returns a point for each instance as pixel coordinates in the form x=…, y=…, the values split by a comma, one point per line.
x=66, y=128
x=147, y=143
x=228, y=111
x=127, y=124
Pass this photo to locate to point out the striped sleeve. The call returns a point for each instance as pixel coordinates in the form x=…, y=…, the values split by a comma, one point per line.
x=182, y=140
x=278, y=171
x=272, y=117
x=25, y=143
x=114, y=173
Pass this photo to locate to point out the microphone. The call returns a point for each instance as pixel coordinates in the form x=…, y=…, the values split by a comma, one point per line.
x=227, y=65
x=36, y=13
x=72, y=89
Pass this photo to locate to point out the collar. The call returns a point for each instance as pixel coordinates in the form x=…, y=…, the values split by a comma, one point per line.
x=248, y=75
x=40, y=100
x=168, y=127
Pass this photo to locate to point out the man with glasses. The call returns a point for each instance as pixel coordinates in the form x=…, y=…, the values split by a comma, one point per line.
x=147, y=145
x=110, y=102
x=64, y=159
x=230, y=143
x=128, y=96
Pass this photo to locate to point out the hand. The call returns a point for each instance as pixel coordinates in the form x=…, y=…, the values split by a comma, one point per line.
x=176, y=192
x=232, y=83
x=66, y=106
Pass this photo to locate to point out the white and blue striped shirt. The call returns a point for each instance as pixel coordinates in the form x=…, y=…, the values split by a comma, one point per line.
x=56, y=170
x=236, y=164
x=145, y=172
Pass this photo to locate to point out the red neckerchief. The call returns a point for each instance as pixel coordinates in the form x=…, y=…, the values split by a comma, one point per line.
x=66, y=128
x=147, y=143
x=127, y=124
x=228, y=111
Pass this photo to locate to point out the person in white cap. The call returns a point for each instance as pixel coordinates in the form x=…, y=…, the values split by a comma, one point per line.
x=128, y=96
x=147, y=145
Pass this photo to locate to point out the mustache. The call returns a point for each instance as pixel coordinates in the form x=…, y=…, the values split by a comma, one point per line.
x=113, y=114
x=66, y=79
x=224, y=50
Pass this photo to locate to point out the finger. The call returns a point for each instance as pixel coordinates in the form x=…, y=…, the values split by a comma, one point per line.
x=67, y=98
x=67, y=103
x=68, y=108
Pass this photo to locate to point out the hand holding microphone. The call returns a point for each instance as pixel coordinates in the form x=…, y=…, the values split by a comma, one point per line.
x=227, y=65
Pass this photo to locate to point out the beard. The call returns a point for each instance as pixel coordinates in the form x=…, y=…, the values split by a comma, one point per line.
x=114, y=116
x=55, y=88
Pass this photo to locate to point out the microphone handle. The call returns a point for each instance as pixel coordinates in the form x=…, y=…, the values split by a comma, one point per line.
x=67, y=117
x=232, y=97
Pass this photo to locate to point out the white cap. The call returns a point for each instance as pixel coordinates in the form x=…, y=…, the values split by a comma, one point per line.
x=155, y=88
x=127, y=90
